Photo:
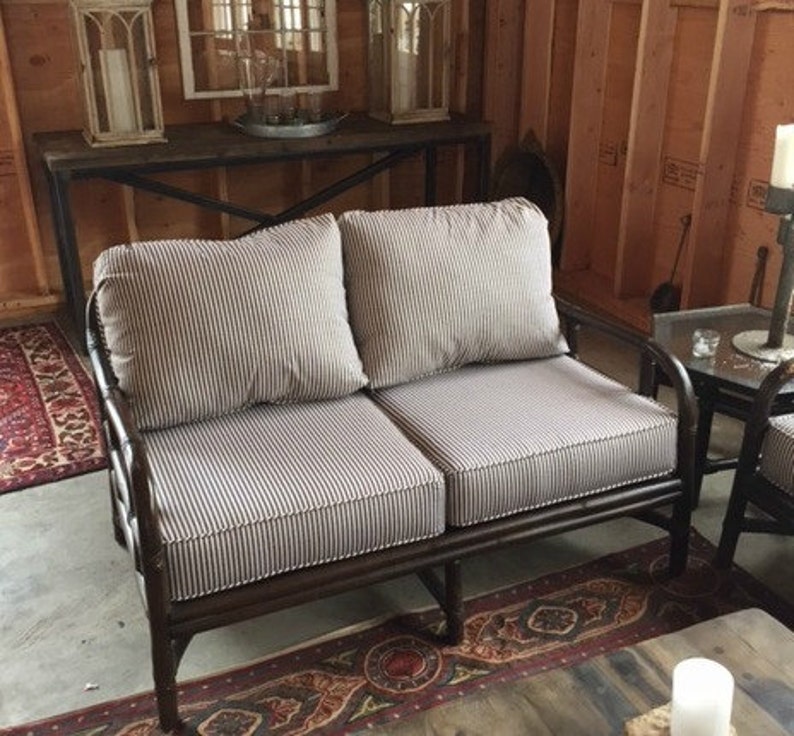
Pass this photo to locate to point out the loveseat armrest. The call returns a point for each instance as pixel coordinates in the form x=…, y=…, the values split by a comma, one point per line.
x=126, y=455
x=575, y=317
x=653, y=358
x=758, y=421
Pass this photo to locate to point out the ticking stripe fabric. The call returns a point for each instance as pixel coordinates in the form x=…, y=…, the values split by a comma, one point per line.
x=196, y=329
x=434, y=288
x=518, y=436
x=777, y=453
x=279, y=487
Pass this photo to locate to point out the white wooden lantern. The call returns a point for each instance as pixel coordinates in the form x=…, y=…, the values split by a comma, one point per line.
x=120, y=87
x=409, y=60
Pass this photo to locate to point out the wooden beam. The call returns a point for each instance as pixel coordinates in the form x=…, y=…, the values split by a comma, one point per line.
x=705, y=264
x=590, y=63
x=780, y=5
x=29, y=303
x=19, y=164
x=536, y=71
x=501, y=83
x=714, y=4
x=634, y=266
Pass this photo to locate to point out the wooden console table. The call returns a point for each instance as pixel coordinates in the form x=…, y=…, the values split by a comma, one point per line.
x=67, y=157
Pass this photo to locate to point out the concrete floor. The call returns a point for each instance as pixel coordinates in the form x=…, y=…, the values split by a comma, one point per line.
x=70, y=613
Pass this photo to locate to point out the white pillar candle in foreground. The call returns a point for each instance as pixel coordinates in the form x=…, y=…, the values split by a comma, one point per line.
x=702, y=698
x=783, y=161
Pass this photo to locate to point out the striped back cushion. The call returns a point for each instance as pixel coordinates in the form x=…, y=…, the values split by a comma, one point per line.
x=202, y=328
x=436, y=288
x=777, y=453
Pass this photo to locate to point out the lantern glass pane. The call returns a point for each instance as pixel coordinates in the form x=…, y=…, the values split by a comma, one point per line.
x=409, y=54
x=119, y=60
x=378, y=54
x=420, y=55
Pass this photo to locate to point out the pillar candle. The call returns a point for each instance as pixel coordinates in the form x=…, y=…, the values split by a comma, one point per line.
x=702, y=698
x=783, y=161
x=119, y=96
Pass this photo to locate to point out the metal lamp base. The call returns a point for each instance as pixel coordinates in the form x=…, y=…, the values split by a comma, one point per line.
x=753, y=343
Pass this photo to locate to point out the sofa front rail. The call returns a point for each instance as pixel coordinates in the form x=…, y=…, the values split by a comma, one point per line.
x=302, y=586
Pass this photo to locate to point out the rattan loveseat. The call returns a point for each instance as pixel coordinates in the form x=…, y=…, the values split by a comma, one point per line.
x=330, y=403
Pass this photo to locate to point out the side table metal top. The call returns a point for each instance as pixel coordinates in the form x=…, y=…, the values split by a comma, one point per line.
x=673, y=330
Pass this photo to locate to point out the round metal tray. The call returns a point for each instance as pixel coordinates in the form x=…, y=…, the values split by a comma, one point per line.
x=288, y=130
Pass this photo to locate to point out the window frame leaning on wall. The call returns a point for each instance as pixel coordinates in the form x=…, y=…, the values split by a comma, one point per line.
x=231, y=28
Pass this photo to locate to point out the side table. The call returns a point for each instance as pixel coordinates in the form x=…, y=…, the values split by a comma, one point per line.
x=726, y=383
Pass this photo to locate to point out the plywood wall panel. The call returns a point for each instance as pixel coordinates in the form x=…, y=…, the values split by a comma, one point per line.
x=587, y=105
x=17, y=270
x=706, y=258
x=502, y=78
x=22, y=261
x=769, y=102
x=654, y=56
x=561, y=82
x=353, y=52
x=326, y=172
x=616, y=115
x=685, y=112
x=44, y=65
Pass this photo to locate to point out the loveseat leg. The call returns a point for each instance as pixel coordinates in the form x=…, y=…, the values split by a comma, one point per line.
x=731, y=528
x=456, y=615
x=164, y=665
x=679, y=536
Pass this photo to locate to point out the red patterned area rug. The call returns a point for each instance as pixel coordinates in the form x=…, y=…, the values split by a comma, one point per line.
x=353, y=683
x=48, y=415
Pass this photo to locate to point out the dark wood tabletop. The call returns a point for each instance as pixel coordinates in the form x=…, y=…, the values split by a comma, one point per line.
x=222, y=144
x=600, y=695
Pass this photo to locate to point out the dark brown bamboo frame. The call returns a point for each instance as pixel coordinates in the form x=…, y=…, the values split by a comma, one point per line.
x=749, y=486
x=172, y=624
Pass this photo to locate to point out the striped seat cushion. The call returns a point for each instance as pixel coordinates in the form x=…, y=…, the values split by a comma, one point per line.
x=434, y=288
x=196, y=329
x=518, y=436
x=777, y=453
x=280, y=487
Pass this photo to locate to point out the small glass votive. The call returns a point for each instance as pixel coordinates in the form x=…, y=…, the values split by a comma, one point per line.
x=314, y=106
x=288, y=105
x=702, y=698
x=272, y=109
x=705, y=342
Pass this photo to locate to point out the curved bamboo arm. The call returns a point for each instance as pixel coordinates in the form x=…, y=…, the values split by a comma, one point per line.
x=125, y=439
x=575, y=317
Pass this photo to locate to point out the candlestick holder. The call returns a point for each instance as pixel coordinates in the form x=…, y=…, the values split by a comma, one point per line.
x=776, y=345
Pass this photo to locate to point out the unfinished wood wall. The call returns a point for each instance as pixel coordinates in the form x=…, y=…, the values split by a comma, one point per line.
x=38, y=73
x=651, y=110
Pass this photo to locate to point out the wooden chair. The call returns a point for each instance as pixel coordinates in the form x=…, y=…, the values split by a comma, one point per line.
x=765, y=472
